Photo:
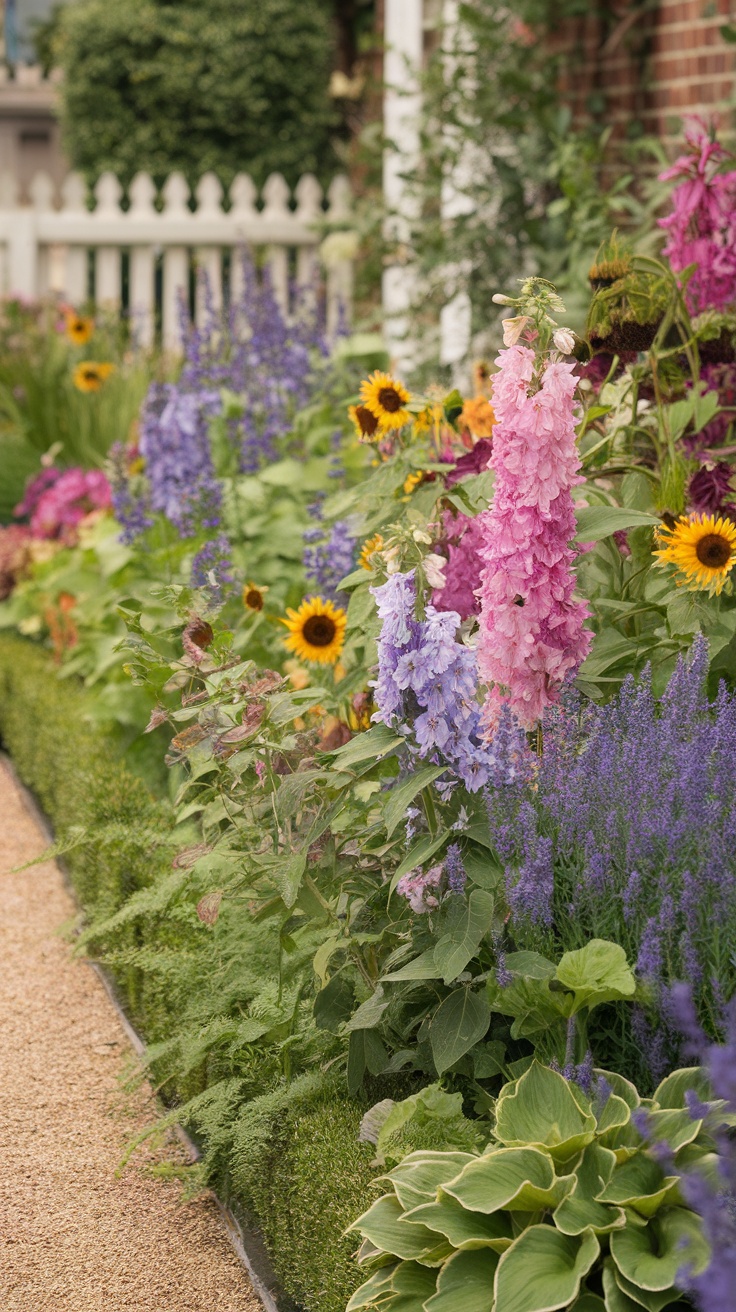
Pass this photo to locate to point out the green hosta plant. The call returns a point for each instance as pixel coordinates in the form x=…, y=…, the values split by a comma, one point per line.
x=568, y=1206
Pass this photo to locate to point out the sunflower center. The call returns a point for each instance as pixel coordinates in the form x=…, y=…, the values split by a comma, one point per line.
x=389, y=399
x=367, y=420
x=714, y=551
x=90, y=375
x=254, y=599
x=319, y=630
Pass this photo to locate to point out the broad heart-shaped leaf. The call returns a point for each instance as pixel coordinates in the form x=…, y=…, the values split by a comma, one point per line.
x=464, y=1229
x=670, y=1094
x=455, y=949
x=383, y=1226
x=597, y=973
x=459, y=1022
x=465, y=1284
x=519, y=1179
x=580, y=1211
x=673, y=1127
x=616, y=1299
x=417, y=1179
x=639, y=1183
x=652, y=1300
x=529, y=1000
x=422, y=967
x=374, y=1290
x=403, y=794
x=412, y=1284
x=596, y=522
x=650, y=1256
x=541, y=1109
x=543, y=1270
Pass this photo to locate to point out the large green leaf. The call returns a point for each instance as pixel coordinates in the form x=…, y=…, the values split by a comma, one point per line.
x=670, y=1094
x=456, y=948
x=402, y=795
x=543, y=1270
x=417, y=1179
x=652, y=1300
x=597, y=973
x=383, y=1226
x=596, y=522
x=412, y=1284
x=651, y=1256
x=464, y=1229
x=519, y=1179
x=588, y=1303
x=422, y=967
x=376, y=1289
x=541, y=1109
x=529, y=1000
x=580, y=1210
x=639, y=1183
x=374, y=744
x=286, y=873
x=465, y=1284
x=459, y=1022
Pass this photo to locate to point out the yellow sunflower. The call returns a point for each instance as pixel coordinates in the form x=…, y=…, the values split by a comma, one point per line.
x=91, y=374
x=703, y=549
x=253, y=596
x=369, y=548
x=78, y=328
x=316, y=631
x=413, y=481
x=366, y=424
x=386, y=398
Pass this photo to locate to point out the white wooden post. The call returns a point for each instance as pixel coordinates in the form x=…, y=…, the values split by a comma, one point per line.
x=456, y=315
x=340, y=273
x=22, y=245
x=73, y=203
x=41, y=192
x=208, y=258
x=308, y=194
x=244, y=214
x=403, y=34
x=277, y=195
x=108, y=270
x=176, y=263
x=142, y=263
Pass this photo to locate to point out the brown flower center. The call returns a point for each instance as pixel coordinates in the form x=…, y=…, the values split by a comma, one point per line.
x=714, y=551
x=200, y=633
x=367, y=420
x=389, y=399
x=90, y=375
x=253, y=599
x=319, y=630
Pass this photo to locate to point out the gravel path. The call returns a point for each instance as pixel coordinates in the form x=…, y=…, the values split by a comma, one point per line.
x=74, y=1236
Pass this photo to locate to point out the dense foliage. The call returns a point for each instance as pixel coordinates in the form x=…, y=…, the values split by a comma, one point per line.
x=234, y=87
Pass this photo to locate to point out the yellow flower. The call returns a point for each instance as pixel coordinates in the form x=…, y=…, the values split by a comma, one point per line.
x=386, y=399
x=78, y=328
x=366, y=424
x=90, y=375
x=412, y=481
x=478, y=416
x=369, y=548
x=253, y=596
x=702, y=548
x=316, y=631
x=298, y=676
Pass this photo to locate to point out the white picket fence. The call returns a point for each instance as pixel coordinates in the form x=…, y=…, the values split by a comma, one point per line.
x=47, y=250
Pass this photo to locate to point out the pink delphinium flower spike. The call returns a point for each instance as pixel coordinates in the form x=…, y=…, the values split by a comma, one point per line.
x=531, y=628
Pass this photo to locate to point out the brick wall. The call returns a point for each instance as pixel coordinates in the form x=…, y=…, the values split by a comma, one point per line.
x=640, y=67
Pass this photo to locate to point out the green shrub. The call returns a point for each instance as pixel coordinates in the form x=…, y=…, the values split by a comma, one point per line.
x=171, y=84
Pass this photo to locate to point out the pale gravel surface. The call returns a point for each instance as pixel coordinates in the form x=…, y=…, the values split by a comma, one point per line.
x=74, y=1235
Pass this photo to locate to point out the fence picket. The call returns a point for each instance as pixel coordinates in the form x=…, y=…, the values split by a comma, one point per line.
x=142, y=263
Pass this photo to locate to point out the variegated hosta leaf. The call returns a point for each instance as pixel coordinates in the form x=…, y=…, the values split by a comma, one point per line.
x=651, y=1256
x=465, y=1284
x=541, y=1109
x=519, y=1179
x=543, y=1270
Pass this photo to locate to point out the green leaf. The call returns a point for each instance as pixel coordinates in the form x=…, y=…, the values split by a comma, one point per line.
x=588, y=1303
x=286, y=873
x=543, y=1270
x=412, y=1284
x=375, y=1290
x=375, y=743
x=419, y=853
x=365, y=1052
x=651, y=1256
x=382, y=1224
x=652, y=1300
x=671, y=1092
x=597, y=973
x=596, y=522
x=369, y=1012
x=464, y=1229
x=455, y=949
x=517, y=1179
x=402, y=795
x=541, y=1109
x=639, y=1183
x=458, y=1023
x=422, y=967
x=465, y=1284
x=580, y=1210
x=418, y=1177
x=333, y=1004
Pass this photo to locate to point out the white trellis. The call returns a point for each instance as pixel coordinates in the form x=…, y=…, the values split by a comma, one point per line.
x=47, y=248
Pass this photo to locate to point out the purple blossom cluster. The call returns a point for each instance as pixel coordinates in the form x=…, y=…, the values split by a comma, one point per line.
x=628, y=831
x=713, y=1290
x=429, y=681
x=329, y=555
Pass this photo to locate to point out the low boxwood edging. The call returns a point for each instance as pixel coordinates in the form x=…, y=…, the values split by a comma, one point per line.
x=309, y=1177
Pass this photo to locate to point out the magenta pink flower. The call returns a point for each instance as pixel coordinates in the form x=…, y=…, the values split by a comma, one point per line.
x=75, y=493
x=702, y=226
x=531, y=628
x=464, y=538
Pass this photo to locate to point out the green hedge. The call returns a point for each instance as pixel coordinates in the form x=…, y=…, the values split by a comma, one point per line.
x=290, y=1156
